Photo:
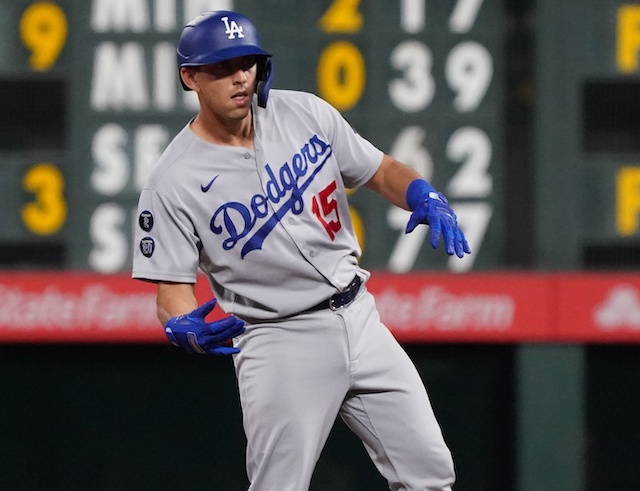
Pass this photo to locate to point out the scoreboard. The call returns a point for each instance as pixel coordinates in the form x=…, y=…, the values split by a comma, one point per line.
x=92, y=97
x=588, y=134
x=33, y=167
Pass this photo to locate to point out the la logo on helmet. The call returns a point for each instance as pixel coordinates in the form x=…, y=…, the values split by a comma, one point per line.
x=232, y=28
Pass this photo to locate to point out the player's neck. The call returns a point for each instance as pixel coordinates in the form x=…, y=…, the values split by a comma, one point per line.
x=229, y=132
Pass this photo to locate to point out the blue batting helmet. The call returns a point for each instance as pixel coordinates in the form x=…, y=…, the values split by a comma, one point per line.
x=221, y=35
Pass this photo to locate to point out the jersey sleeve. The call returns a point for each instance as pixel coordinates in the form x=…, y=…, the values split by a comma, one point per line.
x=166, y=247
x=357, y=157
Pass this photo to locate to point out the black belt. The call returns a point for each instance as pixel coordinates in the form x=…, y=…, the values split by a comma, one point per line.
x=341, y=299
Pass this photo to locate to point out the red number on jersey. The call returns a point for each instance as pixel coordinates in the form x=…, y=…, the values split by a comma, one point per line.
x=323, y=206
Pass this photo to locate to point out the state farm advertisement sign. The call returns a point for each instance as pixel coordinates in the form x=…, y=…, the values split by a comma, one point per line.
x=488, y=307
x=419, y=307
x=67, y=307
x=599, y=307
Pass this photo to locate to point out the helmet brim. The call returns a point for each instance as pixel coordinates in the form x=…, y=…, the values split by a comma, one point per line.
x=226, y=54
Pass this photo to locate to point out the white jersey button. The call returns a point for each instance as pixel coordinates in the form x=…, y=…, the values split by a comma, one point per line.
x=247, y=155
x=313, y=253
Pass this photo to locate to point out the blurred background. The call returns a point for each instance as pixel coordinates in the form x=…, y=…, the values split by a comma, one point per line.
x=525, y=113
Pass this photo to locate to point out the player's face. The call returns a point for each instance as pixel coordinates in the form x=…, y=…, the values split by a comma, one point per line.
x=226, y=89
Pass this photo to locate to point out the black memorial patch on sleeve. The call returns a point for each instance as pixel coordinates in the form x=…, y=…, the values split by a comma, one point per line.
x=145, y=220
x=147, y=246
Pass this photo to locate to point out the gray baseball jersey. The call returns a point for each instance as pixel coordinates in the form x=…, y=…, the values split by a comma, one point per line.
x=270, y=227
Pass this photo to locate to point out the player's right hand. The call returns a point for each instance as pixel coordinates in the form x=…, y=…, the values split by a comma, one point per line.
x=192, y=333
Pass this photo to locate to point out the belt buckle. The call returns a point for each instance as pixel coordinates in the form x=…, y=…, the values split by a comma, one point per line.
x=356, y=283
x=333, y=306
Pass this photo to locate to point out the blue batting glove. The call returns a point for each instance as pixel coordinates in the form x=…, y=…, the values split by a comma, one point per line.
x=432, y=208
x=195, y=335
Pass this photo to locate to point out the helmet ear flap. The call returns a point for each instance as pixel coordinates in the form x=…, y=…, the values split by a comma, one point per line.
x=265, y=79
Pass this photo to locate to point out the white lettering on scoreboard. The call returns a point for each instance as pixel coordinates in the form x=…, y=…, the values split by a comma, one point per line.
x=134, y=73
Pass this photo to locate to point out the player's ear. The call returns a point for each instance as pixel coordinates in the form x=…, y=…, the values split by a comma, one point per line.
x=187, y=75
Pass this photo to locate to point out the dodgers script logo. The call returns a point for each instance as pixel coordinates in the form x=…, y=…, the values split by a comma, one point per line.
x=283, y=189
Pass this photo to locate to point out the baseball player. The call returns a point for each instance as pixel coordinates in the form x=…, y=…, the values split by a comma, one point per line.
x=252, y=193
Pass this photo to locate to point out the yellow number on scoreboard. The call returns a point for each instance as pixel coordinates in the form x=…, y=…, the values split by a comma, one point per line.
x=628, y=46
x=341, y=75
x=43, y=30
x=48, y=213
x=342, y=16
x=627, y=200
x=358, y=226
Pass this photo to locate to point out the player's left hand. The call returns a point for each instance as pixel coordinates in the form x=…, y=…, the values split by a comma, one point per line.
x=434, y=211
x=194, y=334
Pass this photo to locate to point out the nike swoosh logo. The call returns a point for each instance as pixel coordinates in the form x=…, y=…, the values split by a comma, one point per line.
x=204, y=189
